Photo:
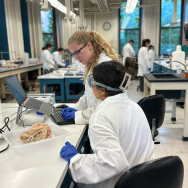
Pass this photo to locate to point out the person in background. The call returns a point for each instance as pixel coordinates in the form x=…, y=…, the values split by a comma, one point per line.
x=128, y=50
x=57, y=57
x=185, y=47
x=151, y=56
x=119, y=132
x=143, y=62
x=48, y=63
x=89, y=48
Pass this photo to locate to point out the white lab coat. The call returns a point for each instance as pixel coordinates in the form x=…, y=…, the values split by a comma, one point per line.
x=88, y=102
x=151, y=58
x=58, y=59
x=120, y=138
x=143, y=61
x=127, y=52
x=47, y=60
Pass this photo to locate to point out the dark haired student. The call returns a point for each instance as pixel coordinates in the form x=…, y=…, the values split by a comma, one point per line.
x=57, y=57
x=48, y=62
x=119, y=132
x=143, y=62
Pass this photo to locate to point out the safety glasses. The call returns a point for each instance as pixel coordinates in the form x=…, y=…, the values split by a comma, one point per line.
x=78, y=51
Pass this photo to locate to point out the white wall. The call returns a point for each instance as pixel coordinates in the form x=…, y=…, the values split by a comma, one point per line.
x=150, y=23
x=35, y=29
x=14, y=28
x=112, y=35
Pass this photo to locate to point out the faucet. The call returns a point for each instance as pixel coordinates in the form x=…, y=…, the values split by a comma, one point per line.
x=178, y=62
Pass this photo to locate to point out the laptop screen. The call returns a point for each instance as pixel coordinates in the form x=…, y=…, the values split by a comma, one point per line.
x=16, y=88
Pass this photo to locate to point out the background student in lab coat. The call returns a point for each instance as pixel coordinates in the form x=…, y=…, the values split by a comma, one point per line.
x=143, y=62
x=151, y=56
x=119, y=132
x=48, y=62
x=57, y=57
x=128, y=50
x=89, y=48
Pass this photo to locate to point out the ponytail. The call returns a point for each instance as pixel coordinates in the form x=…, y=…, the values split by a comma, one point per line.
x=48, y=45
x=145, y=41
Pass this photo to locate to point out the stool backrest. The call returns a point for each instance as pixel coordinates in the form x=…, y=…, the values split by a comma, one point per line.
x=153, y=107
x=166, y=172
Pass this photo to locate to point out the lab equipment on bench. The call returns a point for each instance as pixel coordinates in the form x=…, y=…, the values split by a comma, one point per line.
x=48, y=97
x=21, y=97
x=178, y=55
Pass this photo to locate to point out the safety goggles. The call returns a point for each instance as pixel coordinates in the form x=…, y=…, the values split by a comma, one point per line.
x=92, y=83
x=122, y=87
x=78, y=51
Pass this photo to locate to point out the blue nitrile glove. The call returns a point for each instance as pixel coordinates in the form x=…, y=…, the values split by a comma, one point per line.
x=68, y=151
x=68, y=109
x=66, y=63
x=69, y=115
x=55, y=62
x=39, y=113
x=149, y=69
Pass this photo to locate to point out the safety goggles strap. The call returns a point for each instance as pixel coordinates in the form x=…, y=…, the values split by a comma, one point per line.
x=128, y=82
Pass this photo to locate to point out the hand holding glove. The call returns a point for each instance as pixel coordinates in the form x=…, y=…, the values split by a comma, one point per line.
x=68, y=151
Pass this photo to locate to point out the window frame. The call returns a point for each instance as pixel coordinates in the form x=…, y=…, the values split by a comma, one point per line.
x=54, y=29
x=139, y=28
x=181, y=27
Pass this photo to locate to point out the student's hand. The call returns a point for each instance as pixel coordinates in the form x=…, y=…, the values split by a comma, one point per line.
x=69, y=115
x=68, y=151
x=68, y=109
x=39, y=113
x=66, y=63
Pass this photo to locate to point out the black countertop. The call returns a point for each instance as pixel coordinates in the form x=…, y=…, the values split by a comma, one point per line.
x=161, y=77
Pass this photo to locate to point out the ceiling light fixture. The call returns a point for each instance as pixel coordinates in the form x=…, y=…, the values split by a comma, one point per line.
x=130, y=6
x=56, y=4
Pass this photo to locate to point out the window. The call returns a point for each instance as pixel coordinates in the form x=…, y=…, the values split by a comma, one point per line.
x=48, y=28
x=129, y=28
x=170, y=36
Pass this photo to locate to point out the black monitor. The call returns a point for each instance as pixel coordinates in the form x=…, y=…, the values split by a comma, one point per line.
x=16, y=89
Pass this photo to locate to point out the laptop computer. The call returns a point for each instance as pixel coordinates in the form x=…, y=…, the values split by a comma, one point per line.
x=21, y=97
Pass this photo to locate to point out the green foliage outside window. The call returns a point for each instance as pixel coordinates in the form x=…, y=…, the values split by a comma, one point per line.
x=129, y=28
x=166, y=32
x=47, y=28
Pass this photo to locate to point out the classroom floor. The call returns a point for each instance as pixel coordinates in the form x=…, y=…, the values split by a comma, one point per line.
x=170, y=138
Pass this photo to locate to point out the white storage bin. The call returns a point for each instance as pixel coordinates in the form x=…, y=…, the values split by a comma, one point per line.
x=13, y=139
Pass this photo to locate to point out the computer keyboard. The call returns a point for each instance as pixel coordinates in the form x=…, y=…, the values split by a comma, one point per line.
x=59, y=119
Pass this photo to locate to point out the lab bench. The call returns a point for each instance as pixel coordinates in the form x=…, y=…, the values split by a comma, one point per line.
x=166, y=82
x=12, y=71
x=64, y=82
x=42, y=169
x=163, y=67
